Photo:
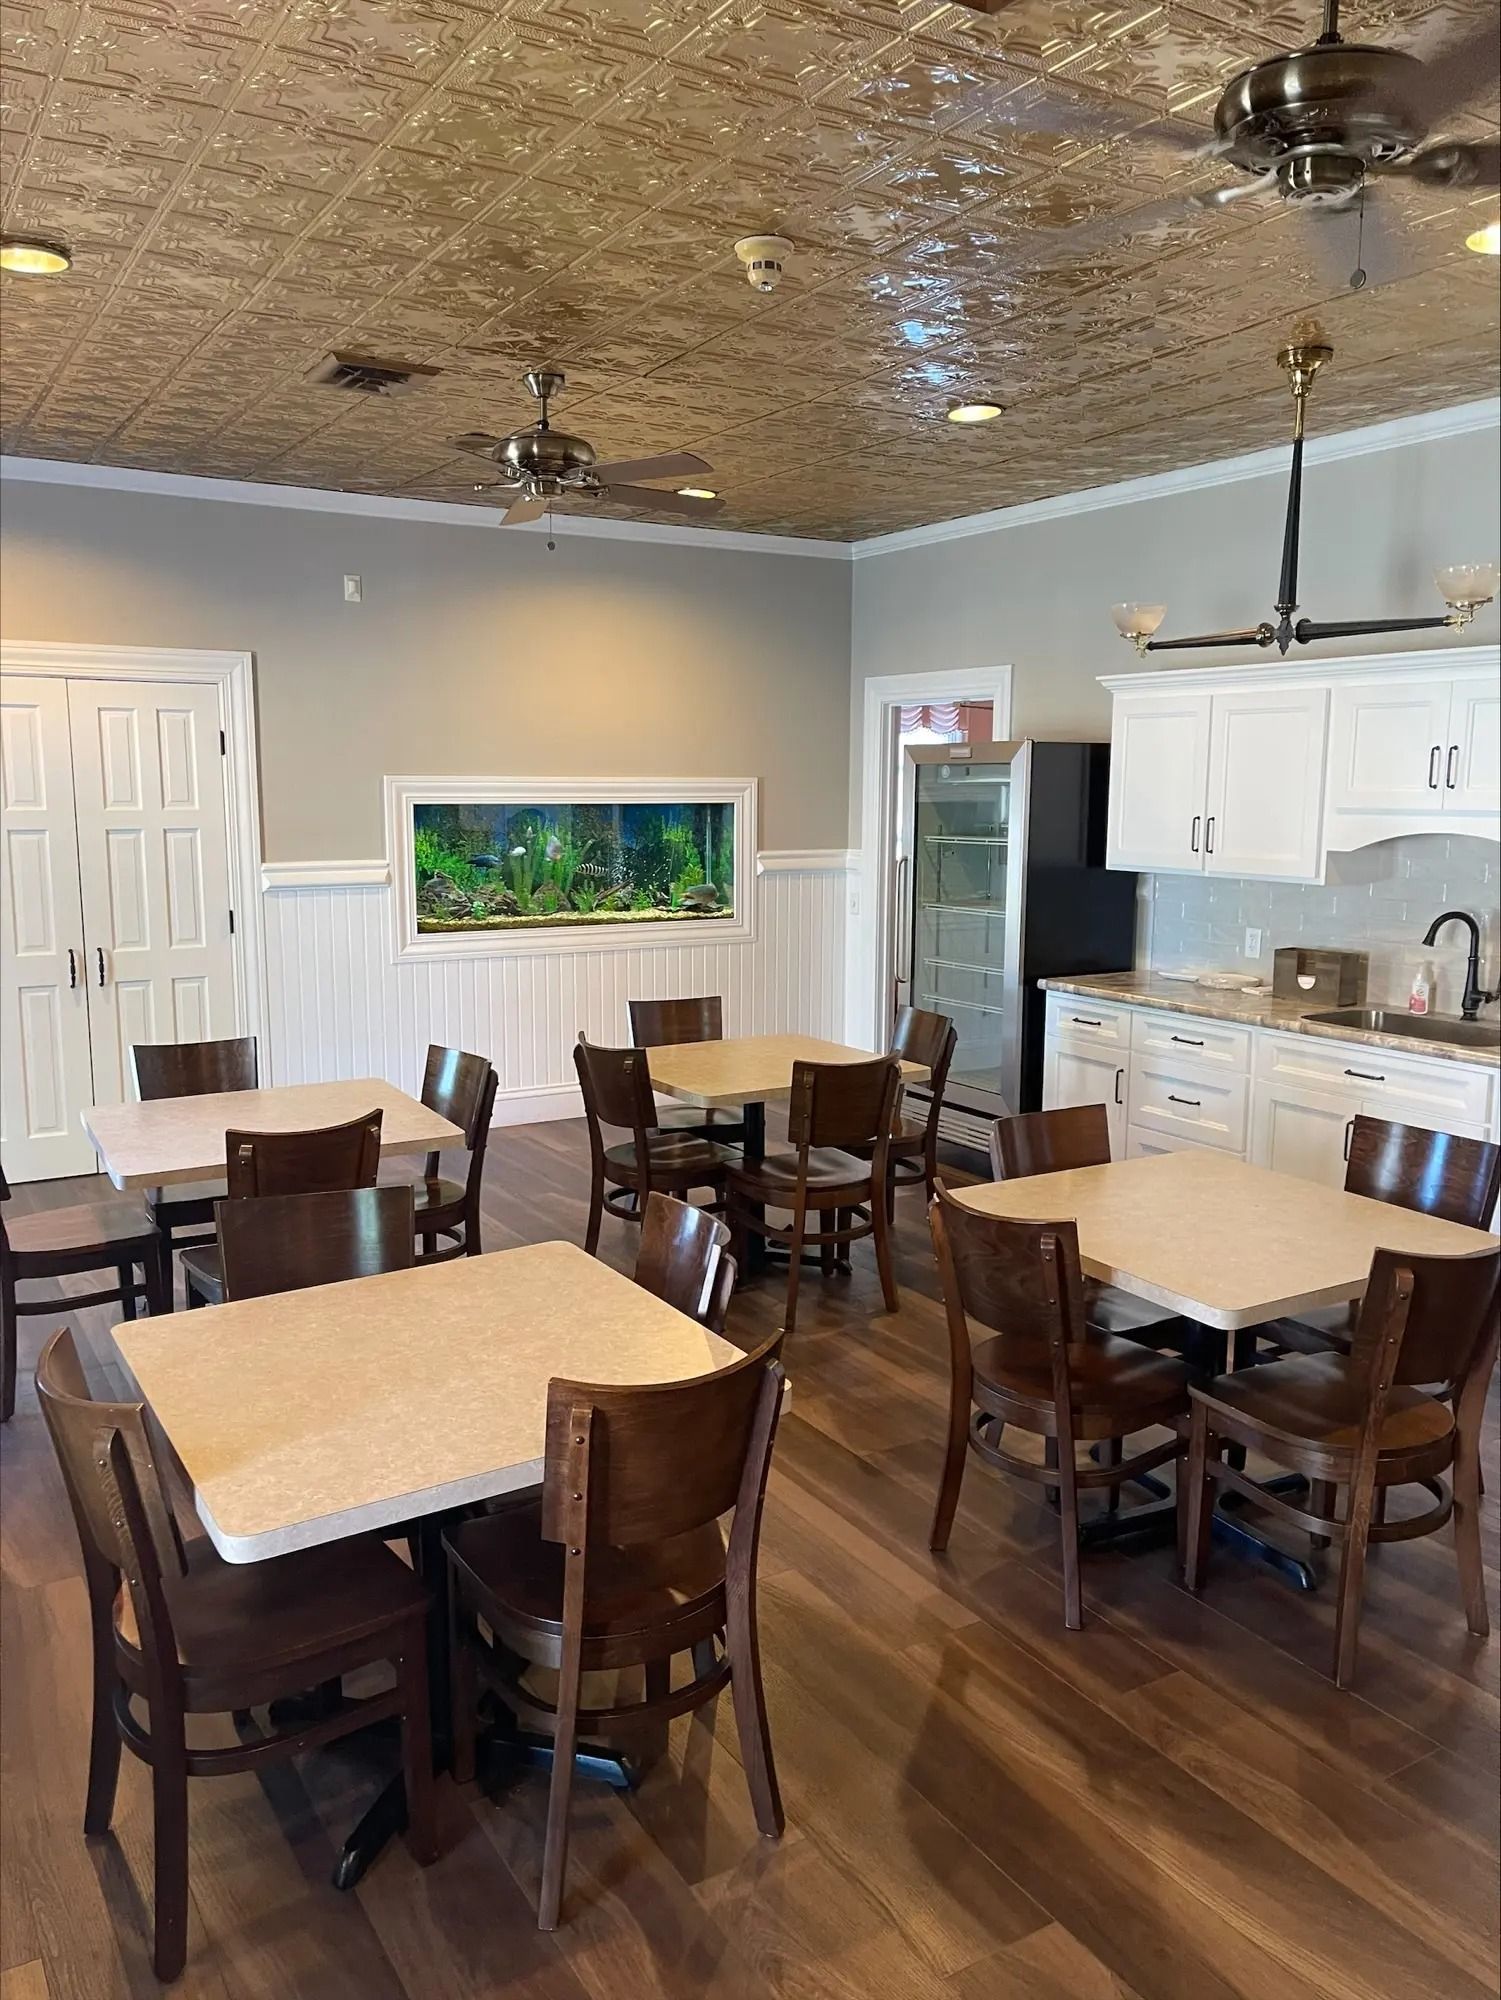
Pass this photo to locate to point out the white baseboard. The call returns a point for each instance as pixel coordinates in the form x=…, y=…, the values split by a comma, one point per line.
x=536, y=1107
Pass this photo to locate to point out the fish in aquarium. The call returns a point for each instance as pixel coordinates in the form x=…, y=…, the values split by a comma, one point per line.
x=704, y=896
x=554, y=849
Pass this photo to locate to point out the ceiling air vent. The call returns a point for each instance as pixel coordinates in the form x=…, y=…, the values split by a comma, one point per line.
x=367, y=376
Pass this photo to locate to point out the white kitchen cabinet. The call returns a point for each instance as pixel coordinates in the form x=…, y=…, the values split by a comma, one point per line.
x=1295, y=1130
x=1409, y=755
x=1264, y=808
x=1472, y=761
x=1159, y=772
x=1073, y=1075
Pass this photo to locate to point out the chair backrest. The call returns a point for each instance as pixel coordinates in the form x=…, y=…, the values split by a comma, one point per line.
x=643, y=1464
x=926, y=1038
x=616, y=1087
x=312, y=1162
x=1437, y=1173
x=285, y=1242
x=456, y=1086
x=843, y=1104
x=656, y=1024
x=195, y=1069
x=4, y=1197
x=680, y=1253
x=1049, y=1142
x=1450, y=1323
x=119, y=1501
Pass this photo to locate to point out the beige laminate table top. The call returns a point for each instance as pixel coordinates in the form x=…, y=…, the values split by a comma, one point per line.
x=305, y=1417
x=1227, y=1244
x=747, y=1069
x=175, y=1139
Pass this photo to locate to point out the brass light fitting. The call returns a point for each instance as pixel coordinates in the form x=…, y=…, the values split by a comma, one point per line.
x=34, y=256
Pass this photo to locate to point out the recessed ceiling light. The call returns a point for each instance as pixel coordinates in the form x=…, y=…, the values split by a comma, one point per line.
x=974, y=413
x=1487, y=241
x=33, y=256
x=696, y=493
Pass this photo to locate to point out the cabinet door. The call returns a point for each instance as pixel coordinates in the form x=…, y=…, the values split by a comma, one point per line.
x=1159, y=762
x=1302, y=1132
x=1072, y=1076
x=1266, y=784
x=1386, y=751
x=1472, y=757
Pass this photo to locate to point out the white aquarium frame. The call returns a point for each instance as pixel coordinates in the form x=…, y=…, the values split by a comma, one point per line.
x=402, y=794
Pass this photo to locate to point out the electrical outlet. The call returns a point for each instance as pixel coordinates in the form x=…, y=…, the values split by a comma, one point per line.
x=353, y=590
x=1253, y=943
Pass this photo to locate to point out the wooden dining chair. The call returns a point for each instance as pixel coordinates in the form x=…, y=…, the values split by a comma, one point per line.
x=929, y=1039
x=1055, y=1142
x=1042, y=1369
x=190, y=1069
x=622, y=1564
x=1401, y=1408
x=840, y=1118
x=460, y=1088
x=684, y=1258
x=190, y=1634
x=616, y=1089
x=1435, y=1173
x=659, y=1024
x=288, y=1242
x=321, y=1160
x=64, y=1243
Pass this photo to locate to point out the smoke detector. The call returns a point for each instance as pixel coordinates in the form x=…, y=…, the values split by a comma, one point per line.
x=368, y=377
x=763, y=258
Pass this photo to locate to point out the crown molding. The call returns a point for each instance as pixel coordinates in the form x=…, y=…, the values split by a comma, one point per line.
x=1422, y=428
x=1445, y=662
x=392, y=507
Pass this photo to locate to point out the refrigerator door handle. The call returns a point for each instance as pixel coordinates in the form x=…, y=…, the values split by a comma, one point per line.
x=902, y=963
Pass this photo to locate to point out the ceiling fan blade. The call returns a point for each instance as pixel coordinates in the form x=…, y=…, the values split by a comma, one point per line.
x=1454, y=164
x=1343, y=243
x=524, y=509
x=479, y=442
x=662, y=503
x=667, y=465
x=1076, y=116
x=1456, y=76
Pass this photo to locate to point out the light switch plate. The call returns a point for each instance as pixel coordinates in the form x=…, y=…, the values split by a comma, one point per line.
x=1253, y=943
x=353, y=590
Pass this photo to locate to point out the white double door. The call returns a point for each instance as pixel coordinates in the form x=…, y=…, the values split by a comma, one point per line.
x=116, y=925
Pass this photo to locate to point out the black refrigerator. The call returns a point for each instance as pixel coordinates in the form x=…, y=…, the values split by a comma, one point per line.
x=1006, y=884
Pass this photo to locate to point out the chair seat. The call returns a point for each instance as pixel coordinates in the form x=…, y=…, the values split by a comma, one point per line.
x=673, y=1155
x=203, y=1267
x=1107, y=1375
x=775, y=1178
x=675, y=1117
x=506, y=1565
x=105, y=1226
x=1110, y=1310
x=244, y=1619
x=1316, y=1331
x=1319, y=1399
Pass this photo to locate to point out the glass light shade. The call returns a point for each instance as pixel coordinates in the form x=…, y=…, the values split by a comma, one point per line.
x=1464, y=585
x=33, y=256
x=975, y=413
x=1137, y=621
x=1486, y=241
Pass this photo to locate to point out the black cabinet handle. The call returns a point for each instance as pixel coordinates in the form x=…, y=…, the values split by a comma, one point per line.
x=1209, y=834
x=1084, y=1021
x=1193, y=838
x=1118, y=1075
x=1365, y=1076
x=1349, y=1135
x=1196, y=1102
x=1433, y=756
x=1451, y=763
x=99, y=954
x=1187, y=1041
x=72, y=967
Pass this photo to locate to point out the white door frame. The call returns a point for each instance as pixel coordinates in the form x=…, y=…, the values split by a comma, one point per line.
x=868, y=984
x=233, y=675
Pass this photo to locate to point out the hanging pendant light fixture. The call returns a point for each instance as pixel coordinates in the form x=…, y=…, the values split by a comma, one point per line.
x=1463, y=586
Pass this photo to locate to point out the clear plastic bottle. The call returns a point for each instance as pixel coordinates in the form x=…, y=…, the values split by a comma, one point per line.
x=1420, y=1000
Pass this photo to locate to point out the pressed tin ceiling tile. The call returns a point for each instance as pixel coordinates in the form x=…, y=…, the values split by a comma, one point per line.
x=248, y=183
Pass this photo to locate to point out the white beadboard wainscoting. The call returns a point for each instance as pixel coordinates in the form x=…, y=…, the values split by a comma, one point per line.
x=339, y=1004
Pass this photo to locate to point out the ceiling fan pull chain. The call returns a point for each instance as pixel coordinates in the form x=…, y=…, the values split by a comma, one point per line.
x=1358, y=275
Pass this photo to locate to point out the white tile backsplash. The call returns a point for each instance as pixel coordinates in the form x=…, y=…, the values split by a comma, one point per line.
x=1378, y=900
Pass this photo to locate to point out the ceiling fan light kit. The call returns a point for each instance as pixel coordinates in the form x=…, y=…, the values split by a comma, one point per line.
x=1463, y=586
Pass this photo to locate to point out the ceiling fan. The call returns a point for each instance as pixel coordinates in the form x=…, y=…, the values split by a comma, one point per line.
x=1315, y=129
x=539, y=465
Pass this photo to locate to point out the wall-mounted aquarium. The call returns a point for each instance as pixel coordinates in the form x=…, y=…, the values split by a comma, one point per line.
x=485, y=864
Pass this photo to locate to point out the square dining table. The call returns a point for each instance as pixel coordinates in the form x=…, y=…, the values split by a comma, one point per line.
x=168, y=1140
x=382, y=1403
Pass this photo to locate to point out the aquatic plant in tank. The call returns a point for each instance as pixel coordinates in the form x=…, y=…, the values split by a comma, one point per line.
x=487, y=866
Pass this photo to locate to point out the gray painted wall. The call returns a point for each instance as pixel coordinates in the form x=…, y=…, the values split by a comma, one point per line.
x=473, y=653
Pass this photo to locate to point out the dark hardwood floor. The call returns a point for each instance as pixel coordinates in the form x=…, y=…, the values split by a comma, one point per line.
x=1174, y=1804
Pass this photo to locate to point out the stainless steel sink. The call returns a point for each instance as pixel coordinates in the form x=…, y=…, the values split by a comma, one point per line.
x=1414, y=1027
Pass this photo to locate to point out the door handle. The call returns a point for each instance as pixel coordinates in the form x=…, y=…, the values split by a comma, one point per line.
x=1349, y=1135
x=903, y=969
x=1187, y=1041
x=1365, y=1076
x=72, y=967
x=1083, y=1021
x=1118, y=1075
x=99, y=954
x=1433, y=756
x=1209, y=834
x=1451, y=764
x=1193, y=838
x=1196, y=1102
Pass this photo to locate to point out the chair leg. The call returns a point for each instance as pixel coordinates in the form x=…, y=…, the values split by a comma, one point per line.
x=158, y=1273
x=884, y=1264
x=1352, y=1581
x=125, y=1277
x=596, y=1208
x=1068, y=1512
x=1321, y=1498
x=104, y=1732
x=954, y=1459
x=559, y=1796
x=1113, y=1457
x=169, y=1815
x=8, y=1318
x=417, y=1746
x=742, y=1642
x=827, y=1251
x=1196, y=1500
x=1466, y=1478
x=463, y=1688
x=1050, y=1457
x=794, y=1265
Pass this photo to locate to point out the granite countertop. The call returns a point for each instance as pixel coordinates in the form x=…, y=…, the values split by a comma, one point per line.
x=1263, y=1010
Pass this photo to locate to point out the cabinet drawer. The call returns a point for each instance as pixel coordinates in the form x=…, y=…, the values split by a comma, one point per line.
x=1207, y=1105
x=1186, y=1039
x=1086, y=1024
x=1145, y=1145
x=1446, y=1090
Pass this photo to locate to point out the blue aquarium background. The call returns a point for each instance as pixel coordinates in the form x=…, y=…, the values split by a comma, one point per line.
x=505, y=867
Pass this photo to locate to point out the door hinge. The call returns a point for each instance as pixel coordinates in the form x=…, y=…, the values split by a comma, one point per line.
x=223, y=746
x=231, y=923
